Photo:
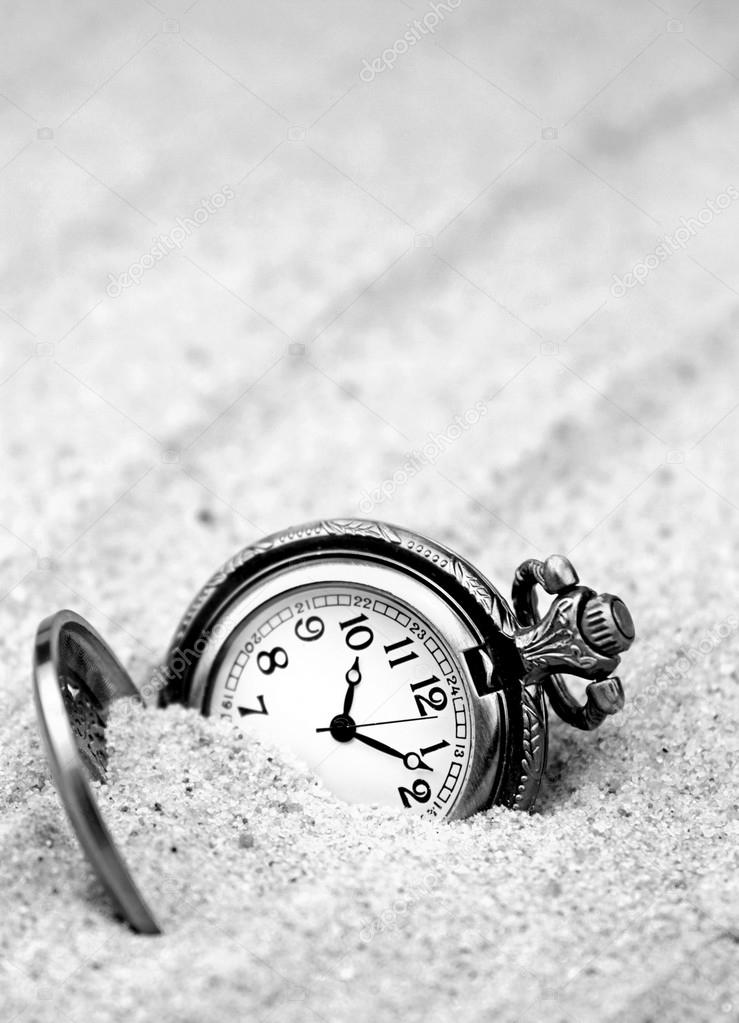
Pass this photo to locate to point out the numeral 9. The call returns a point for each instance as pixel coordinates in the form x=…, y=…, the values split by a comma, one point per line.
x=313, y=628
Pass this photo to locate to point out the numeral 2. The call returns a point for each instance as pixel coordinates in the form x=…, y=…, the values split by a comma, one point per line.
x=421, y=792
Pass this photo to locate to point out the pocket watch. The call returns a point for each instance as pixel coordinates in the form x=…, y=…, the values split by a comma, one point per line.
x=392, y=668
x=383, y=661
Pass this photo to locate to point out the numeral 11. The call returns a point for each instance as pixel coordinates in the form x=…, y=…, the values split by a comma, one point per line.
x=395, y=661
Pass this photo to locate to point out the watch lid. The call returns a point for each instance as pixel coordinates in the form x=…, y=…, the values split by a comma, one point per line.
x=76, y=677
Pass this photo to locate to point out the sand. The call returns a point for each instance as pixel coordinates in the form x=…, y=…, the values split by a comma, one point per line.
x=395, y=252
x=278, y=902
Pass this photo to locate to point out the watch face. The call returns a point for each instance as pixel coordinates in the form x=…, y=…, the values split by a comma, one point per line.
x=357, y=685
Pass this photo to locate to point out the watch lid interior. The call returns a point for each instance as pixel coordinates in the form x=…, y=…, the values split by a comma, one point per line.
x=76, y=677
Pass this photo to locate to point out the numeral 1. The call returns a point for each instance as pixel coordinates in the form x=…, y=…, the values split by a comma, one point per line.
x=395, y=661
x=431, y=749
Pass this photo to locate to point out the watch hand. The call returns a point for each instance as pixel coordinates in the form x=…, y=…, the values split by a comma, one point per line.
x=376, y=744
x=411, y=760
x=396, y=721
x=353, y=678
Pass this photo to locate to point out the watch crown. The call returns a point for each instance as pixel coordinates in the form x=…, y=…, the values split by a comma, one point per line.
x=607, y=625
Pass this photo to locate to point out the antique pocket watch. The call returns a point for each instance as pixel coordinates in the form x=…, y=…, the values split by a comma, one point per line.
x=382, y=660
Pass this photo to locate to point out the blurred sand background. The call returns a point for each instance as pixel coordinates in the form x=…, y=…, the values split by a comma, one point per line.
x=389, y=252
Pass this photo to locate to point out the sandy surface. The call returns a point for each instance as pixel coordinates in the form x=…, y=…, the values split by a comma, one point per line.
x=390, y=253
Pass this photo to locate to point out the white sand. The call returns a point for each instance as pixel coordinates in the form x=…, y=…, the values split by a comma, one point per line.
x=280, y=903
x=433, y=246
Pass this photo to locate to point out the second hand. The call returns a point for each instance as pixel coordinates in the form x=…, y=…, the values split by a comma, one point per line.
x=397, y=721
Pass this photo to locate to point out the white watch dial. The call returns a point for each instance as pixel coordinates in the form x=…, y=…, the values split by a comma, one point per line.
x=357, y=685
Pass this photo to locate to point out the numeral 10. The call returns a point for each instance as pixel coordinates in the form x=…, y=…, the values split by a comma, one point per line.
x=359, y=636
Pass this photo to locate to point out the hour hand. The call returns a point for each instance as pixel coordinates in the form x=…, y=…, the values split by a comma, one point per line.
x=353, y=678
x=411, y=760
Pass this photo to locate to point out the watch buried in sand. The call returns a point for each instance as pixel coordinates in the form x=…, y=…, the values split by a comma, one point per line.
x=383, y=661
x=392, y=668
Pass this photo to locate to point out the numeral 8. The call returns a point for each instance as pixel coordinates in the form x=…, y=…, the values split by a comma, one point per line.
x=268, y=660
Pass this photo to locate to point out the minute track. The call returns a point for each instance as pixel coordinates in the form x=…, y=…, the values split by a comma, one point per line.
x=396, y=721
